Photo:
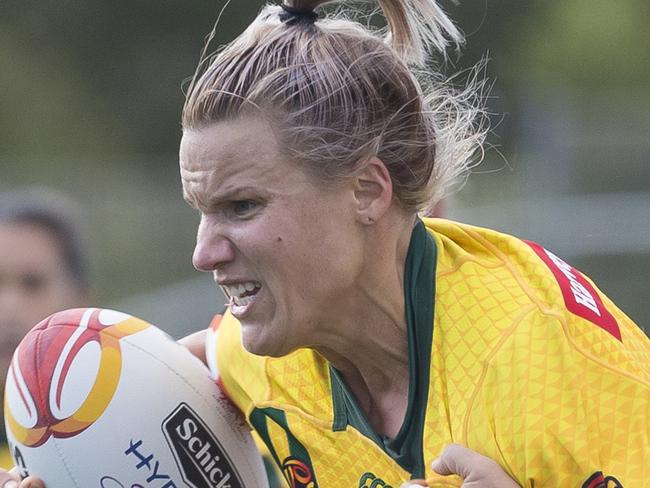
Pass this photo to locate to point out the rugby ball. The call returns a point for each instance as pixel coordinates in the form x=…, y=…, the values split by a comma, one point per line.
x=96, y=398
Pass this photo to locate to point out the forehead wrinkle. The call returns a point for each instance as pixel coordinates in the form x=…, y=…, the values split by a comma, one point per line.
x=208, y=188
x=229, y=157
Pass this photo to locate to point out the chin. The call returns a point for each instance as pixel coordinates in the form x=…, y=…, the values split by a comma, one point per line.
x=255, y=344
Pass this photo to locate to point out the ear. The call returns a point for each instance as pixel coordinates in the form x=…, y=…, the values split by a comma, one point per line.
x=373, y=191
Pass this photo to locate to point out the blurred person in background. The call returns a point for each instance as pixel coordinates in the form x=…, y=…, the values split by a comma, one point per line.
x=43, y=268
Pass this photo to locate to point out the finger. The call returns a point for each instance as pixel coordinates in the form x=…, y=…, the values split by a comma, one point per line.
x=456, y=459
x=195, y=343
x=32, y=482
x=8, y=480
x=414, y=484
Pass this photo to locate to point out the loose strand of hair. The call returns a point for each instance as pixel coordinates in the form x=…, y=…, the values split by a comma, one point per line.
x=417, y=27
x=204, y=57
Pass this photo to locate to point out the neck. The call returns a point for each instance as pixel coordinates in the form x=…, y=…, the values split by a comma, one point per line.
x=380, y=390
x=368, y=344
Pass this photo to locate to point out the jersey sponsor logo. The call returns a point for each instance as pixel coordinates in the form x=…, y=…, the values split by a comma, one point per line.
x=579, y=295
x=598, y=480
x=297, y=473
x=200, y=457
x=297, y=468
x=369, y=480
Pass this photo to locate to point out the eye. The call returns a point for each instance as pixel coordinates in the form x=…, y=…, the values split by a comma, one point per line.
x=243, y=208
x=33, y=283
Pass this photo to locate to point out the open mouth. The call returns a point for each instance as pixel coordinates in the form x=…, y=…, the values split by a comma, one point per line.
x=242, y=294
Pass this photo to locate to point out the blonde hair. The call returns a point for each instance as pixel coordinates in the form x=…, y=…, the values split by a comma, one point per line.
x=343, y=93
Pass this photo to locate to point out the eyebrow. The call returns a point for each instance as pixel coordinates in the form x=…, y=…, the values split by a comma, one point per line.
x=212, y=202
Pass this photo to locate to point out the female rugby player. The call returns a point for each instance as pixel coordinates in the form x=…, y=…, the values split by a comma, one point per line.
x=361, y=339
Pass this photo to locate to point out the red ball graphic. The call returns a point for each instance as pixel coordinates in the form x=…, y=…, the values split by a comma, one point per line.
x=64, y=373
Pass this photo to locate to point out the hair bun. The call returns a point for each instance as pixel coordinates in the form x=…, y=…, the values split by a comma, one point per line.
x=293, y=15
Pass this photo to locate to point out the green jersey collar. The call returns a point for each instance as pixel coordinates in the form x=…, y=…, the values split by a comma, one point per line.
x=419, y=292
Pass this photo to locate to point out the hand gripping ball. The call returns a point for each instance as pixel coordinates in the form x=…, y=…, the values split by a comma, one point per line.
x=99, y=399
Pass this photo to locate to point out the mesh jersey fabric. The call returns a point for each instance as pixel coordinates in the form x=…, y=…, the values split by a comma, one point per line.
x=519, y=372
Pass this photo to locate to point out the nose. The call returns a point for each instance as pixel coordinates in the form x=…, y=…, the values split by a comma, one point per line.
x=213, y=249
x=12, y=299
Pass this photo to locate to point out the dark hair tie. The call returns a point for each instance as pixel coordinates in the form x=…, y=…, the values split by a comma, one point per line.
x=294, y=16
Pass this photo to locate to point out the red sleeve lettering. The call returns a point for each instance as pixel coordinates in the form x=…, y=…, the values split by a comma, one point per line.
x=580, y=297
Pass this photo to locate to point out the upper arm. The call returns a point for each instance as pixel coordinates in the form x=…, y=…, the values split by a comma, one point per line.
x=555, y=414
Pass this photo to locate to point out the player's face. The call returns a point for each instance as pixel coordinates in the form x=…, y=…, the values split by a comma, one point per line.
x=281, y=247
x=33, y=283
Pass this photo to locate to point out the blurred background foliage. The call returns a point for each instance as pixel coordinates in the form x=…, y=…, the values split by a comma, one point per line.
x=90, y=97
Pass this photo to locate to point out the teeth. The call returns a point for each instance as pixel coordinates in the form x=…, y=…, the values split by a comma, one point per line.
x=242, y=301
x=237, y=290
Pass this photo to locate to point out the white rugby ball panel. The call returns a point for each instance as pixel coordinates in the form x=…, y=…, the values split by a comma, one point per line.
x=18, y=397
x=68, y=392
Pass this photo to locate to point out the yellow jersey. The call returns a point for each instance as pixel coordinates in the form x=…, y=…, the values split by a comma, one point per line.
x=6, y=462
x=526, y=362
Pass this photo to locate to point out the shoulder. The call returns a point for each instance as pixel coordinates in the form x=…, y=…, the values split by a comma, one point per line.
x=484, y=256
x=567, y=399
x=531, y=344
x=460, y=243
x=299, y=381
x=503, y=276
